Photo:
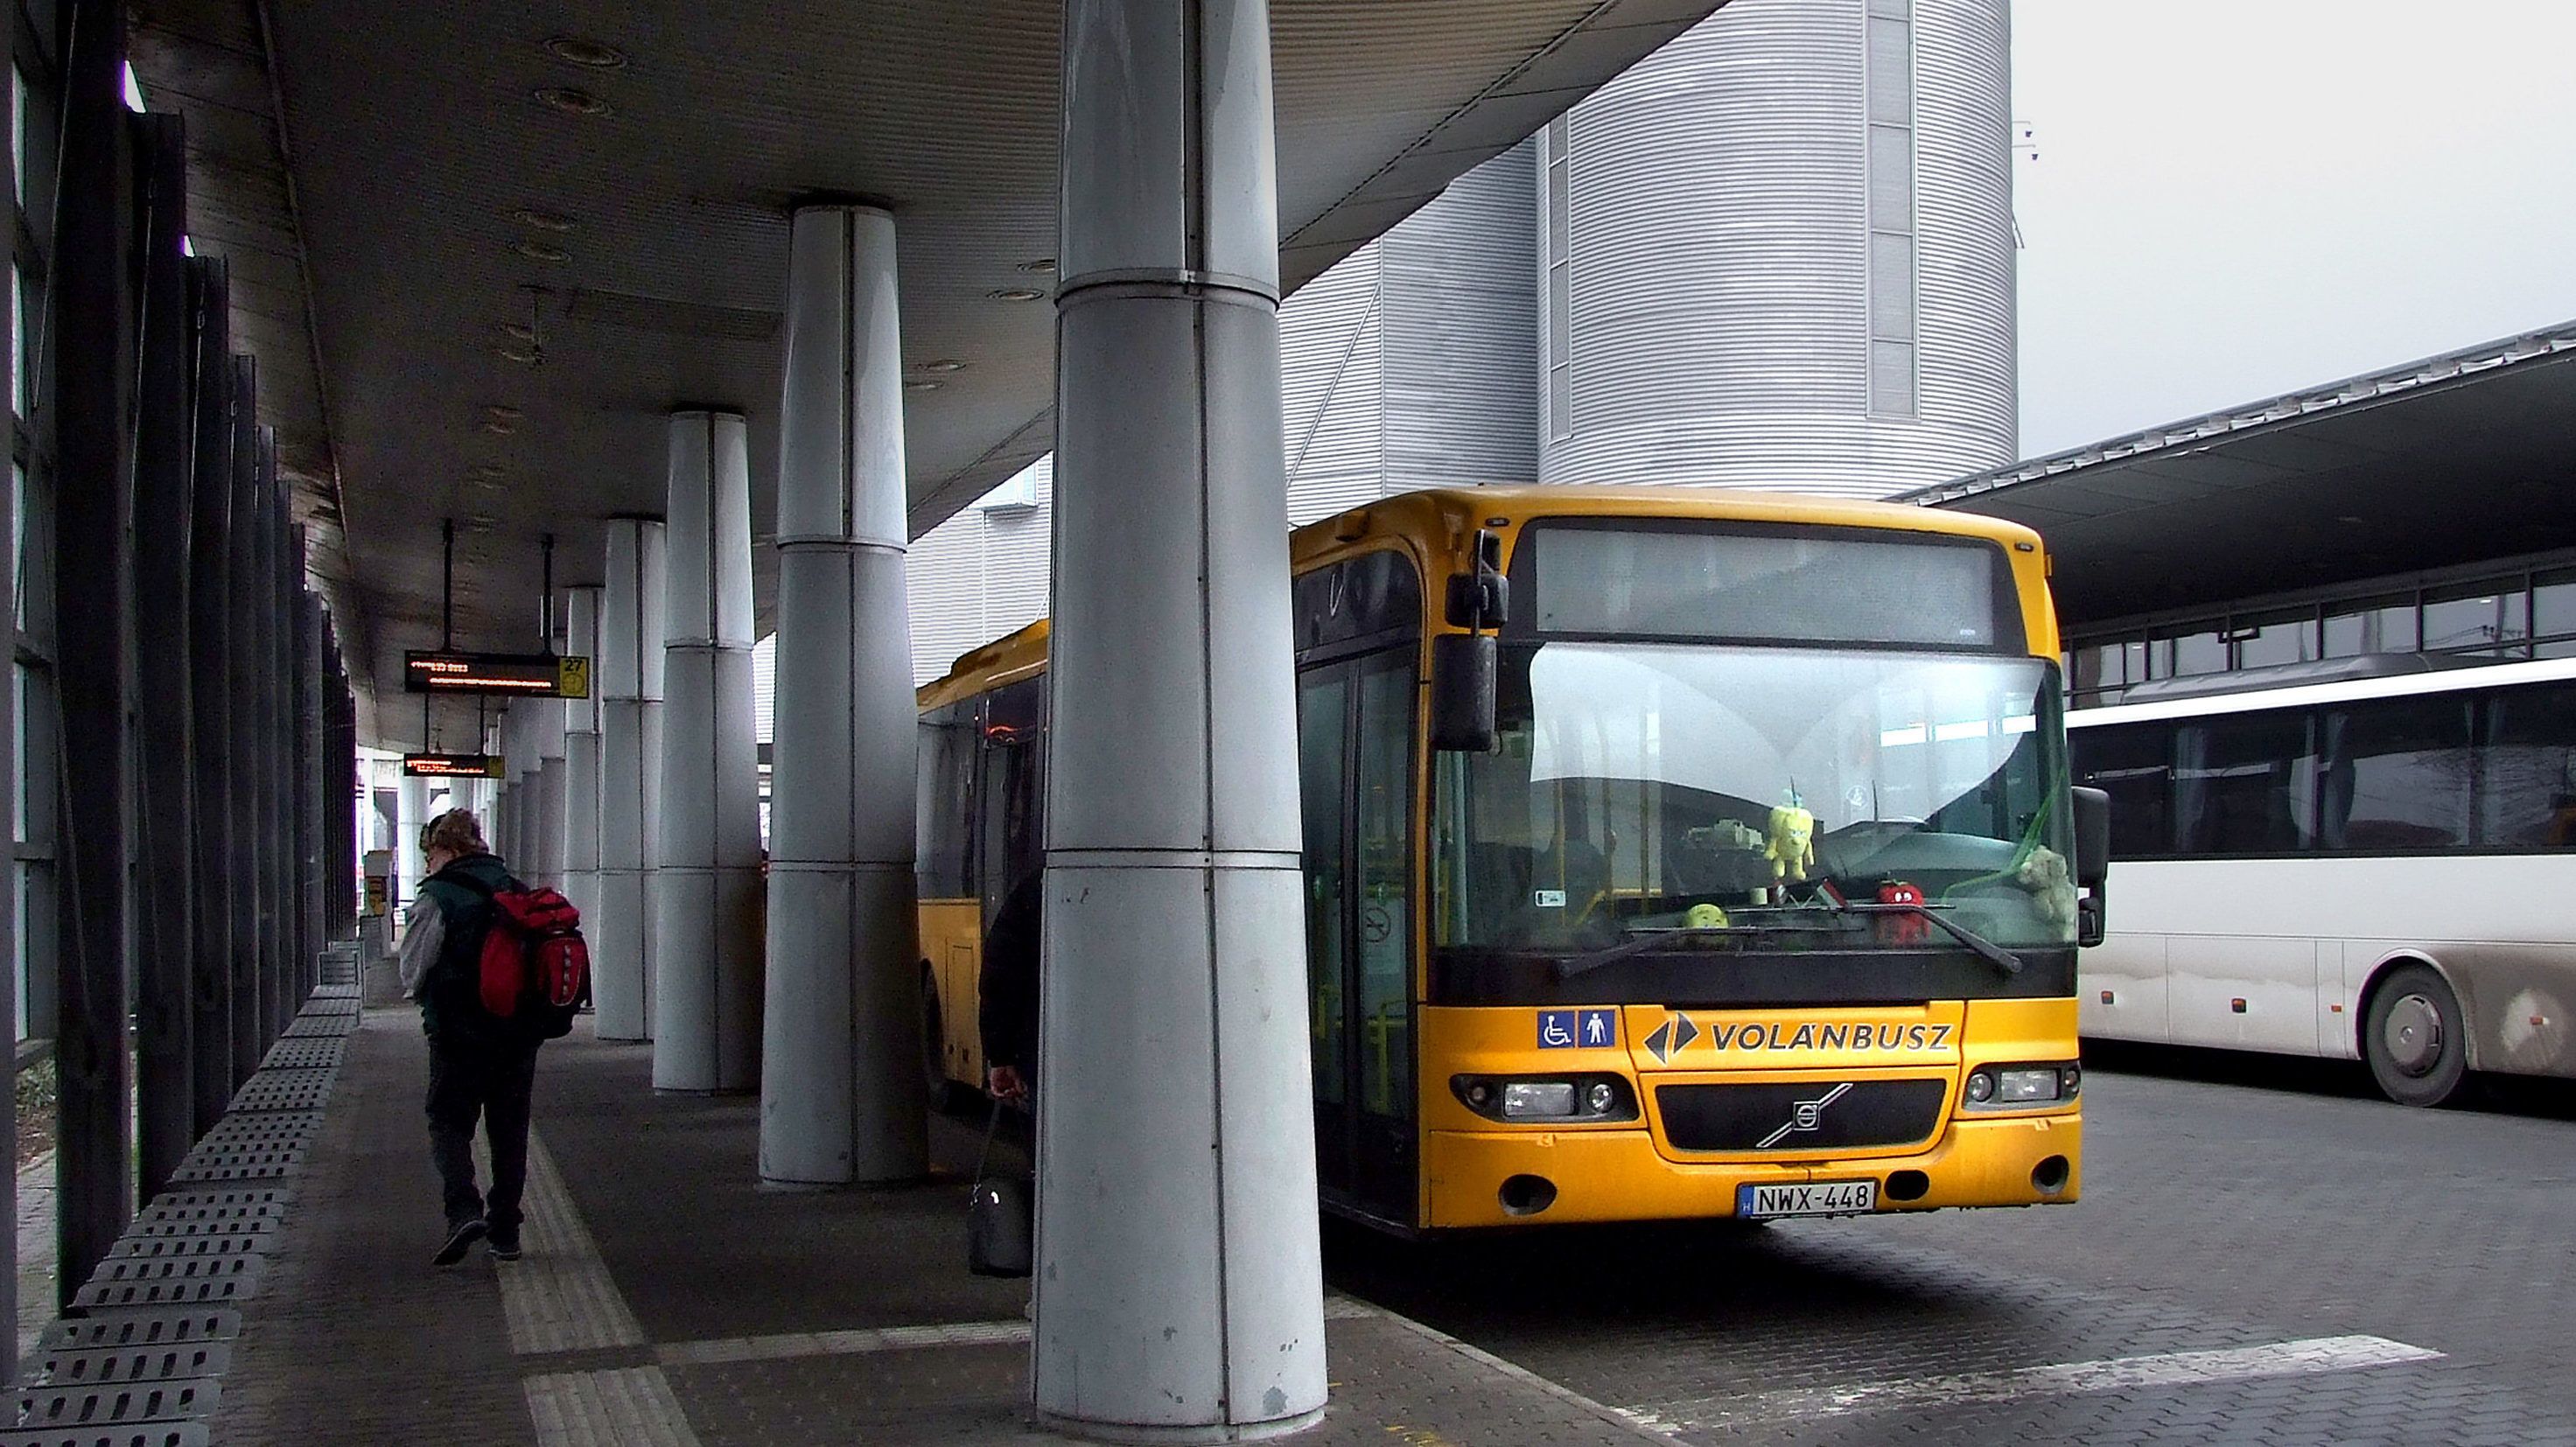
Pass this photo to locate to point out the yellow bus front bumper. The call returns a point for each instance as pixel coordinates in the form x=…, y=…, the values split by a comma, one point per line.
x=1617, y=1175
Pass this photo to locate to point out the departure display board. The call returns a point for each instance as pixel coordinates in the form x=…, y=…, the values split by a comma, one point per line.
x=525, y=675
x=452, y=766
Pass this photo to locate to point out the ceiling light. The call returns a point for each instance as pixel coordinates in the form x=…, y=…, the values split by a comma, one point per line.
x=1044, y=265
x=530, y=216
x=922, y=384
x=501, y=420
x=536, y=250
x=572, y=102
x=944, y=364
x=520, y=355
x=1015, y=293
x=519, y=331
x=587, y=53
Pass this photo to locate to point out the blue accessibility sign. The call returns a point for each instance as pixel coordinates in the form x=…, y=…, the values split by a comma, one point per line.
x=1578, y=1029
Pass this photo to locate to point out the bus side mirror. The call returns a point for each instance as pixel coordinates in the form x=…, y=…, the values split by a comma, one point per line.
x=1482, y=599
x=2092, y=837
x=1463, y=668
x=2092, y=865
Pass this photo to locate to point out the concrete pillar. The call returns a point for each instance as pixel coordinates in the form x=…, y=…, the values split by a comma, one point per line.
x=581, y=762
x=546, y=725
x=1181, y=1300
x=706, y=1003
x=628, y=674
x=841, y=1083
x=411, y=812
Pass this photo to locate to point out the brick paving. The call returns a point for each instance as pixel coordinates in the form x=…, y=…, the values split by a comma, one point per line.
x=2411, y=1265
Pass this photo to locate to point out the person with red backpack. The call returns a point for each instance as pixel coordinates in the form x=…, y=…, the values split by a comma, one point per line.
x=499, y=969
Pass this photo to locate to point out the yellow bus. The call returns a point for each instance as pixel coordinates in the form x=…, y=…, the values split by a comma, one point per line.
x=1670, y=853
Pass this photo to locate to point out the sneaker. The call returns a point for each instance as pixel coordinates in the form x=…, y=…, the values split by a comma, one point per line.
x=504, y=1245
x=460, y=1238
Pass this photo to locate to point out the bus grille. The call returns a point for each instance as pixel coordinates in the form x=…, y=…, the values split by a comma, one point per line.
x=1802, y=1116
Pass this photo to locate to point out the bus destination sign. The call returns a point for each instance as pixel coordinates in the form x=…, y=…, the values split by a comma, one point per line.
x=525, y=675
x=452, y=766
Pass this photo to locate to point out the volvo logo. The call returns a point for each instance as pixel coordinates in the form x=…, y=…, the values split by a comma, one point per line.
x=1803, y=1117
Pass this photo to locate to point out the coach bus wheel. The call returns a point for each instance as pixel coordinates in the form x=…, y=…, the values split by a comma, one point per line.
x=2416, y=1038
x=941, y=1091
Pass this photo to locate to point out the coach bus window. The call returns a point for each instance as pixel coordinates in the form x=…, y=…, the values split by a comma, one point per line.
x=2132, y=765
x=2277, y=638
x=2185, y=655
x=1322, y=701
x=2245, y=784
x=2527, y=770
x=2396, y=775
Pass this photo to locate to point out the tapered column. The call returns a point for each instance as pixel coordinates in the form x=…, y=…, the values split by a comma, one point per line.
x=841, y=1082
x=165, y=803
x=1186, y=1301
x=244, y=590
x=706, y=1003
x=628, y=674
x=581, y=761
x=210, y=524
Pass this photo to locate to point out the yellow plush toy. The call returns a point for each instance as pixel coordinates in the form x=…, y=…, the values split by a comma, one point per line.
x=1793, y=842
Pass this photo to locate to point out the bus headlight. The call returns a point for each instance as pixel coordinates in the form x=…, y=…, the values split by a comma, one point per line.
x=2017, y=1087
x=1574, y=1099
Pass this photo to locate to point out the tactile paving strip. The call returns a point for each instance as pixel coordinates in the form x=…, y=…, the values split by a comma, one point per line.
x=267, y=1128
x=141, y=1434
x=86, y=1409
x=140, y=1329
x=320, y=1027
x=178, y=1248
x=123, y=1282
x=204, y=1166
x=131, y=1364
x=217, y=1208
x=304, y=1055
x=297, y=1090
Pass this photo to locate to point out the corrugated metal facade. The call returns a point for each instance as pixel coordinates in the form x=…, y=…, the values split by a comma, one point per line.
x=1724, y=202
x=1405, y=366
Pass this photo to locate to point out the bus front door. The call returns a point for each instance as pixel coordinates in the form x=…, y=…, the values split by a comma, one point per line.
x=1355, y=753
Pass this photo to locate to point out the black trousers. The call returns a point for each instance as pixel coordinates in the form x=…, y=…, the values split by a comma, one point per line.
x=494, y=1083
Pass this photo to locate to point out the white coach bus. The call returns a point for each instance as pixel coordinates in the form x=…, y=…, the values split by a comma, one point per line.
x=2371, y=858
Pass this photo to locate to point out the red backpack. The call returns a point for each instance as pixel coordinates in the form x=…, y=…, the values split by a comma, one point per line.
x=535, y=966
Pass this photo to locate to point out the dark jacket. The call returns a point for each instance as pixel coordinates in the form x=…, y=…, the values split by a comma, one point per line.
x=1007, y=995
x=451, y=1008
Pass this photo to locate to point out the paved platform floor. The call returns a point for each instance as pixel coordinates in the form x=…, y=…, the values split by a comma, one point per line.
x=666, y=1299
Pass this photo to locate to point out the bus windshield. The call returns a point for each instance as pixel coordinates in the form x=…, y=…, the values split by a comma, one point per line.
x=1635, y=781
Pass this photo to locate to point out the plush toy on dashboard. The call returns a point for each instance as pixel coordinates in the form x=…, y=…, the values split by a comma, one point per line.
x=2051, y=885
x=1793, y=842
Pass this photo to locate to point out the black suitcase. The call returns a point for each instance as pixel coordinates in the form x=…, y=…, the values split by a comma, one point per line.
x=1001, y=1230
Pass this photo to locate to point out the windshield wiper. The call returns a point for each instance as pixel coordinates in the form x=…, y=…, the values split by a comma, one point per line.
x=1573, y=965
x=1986, y=949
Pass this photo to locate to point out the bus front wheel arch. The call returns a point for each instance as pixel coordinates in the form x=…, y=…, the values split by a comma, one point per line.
x=2415, y=1035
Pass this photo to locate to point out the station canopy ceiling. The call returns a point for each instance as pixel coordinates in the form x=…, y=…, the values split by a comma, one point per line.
x=397, y=185
x=2457, y=459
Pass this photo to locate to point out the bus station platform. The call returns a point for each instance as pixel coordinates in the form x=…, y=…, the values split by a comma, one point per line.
x=664, y=1298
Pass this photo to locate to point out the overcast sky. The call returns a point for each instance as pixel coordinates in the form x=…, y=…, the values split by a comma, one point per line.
x=2231, y=199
